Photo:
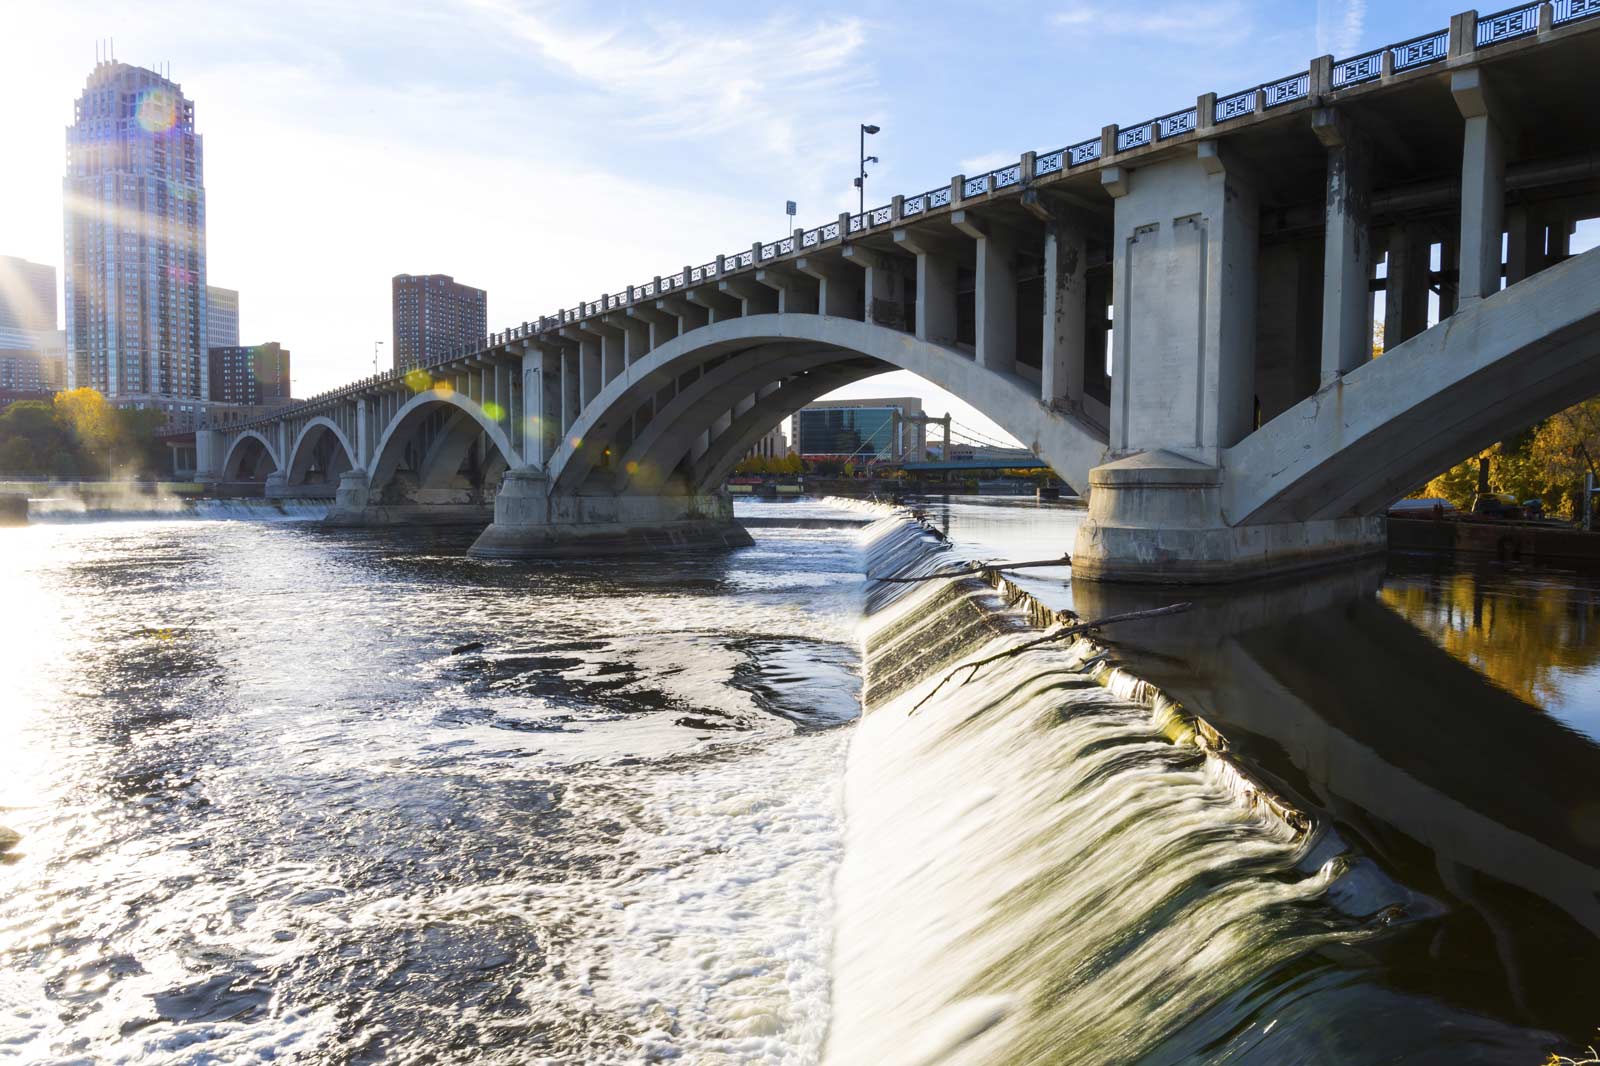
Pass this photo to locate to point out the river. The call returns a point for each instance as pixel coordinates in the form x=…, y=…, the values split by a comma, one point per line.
x=327, y=796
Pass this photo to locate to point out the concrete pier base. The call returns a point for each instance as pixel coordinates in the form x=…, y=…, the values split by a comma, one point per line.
x=531, y=524
x=354, y=506
x=1156, y=518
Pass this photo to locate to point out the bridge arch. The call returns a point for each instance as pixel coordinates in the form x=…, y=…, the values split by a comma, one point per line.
x=251, y=457
x=432, y=437
x=764, y=356
x=320, y=442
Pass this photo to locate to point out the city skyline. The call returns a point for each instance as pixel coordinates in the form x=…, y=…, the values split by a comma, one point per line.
x=775, y=123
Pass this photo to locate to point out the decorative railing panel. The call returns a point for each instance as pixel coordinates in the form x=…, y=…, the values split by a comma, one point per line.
x=1177, y=123
x=1084, y=152
x=915, y=205
x=1357, y=70
x=1238, y=104
x=1296, y=87
x=975, y=186
x=769, y=251
x=1136, y=136
x=857, y=223
x=882, y=216
x=810, y=238
x=1050, y=163
x=1572, y=10
x=1429, y=48
x=1006, y=177
x=830, y=232
x=939, y=197
x=786, y=246
x=1508, y=25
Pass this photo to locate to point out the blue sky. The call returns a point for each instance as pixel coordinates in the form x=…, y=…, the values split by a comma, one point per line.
x=549, y=152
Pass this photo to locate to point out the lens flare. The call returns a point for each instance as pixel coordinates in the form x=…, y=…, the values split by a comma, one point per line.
x=157, y=110
x=576, y=442
x=419, y=380
x=494, y=411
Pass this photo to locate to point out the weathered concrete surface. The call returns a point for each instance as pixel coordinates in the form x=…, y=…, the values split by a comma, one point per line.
x=529, y=523
x=1156, y=518
x=1360, y=443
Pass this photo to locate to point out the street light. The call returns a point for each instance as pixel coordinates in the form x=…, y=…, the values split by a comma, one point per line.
x=375, y=346
x=861, y=177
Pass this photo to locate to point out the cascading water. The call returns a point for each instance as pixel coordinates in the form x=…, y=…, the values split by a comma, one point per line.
x=1050, y=863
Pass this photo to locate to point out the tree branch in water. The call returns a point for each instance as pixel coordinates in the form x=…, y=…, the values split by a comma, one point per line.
x=1059, y=634
x=976, y=568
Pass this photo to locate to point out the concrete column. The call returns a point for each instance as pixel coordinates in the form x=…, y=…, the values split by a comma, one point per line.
x=755, y=298
x=535, y=432
x=1483, y=184
x=613, y=353
x=995, y=292
x=571, y=389
x=207, y=455
x=882, y=288
x=1525, y=242
x=1066, y=258
x=689, y=315
x=1405, y=298
x=719, y=306
x=363, y=457
x=635, y=335
x=658, y=323
x=797, y=293
x=937, y=265
x=838, y=286
x=1347, y=247
x=588, y=345
x=1184, y=277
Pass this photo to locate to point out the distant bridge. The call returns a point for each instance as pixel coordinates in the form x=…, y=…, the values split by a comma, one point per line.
x=1245, y=428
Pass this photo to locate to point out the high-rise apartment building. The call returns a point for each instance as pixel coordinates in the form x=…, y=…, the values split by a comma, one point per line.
x=222, y=317
x=432, y=315
x=251, y=375
x=136, y=244
x=27, y=304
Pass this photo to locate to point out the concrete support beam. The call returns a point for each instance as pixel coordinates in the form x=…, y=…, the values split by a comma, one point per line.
x=719, y=306
x=541, y=404
x=1405, y=299
x=754, y=297
x=938, y=262
x=994, y=294
x=883, y=277
x=1066, y=289
x=1347, y=246
x=1483, y=184
x=364, y=435
x=689, y=315
x=571, y=389
x=635, y=335
x=838, y=286
x=1525, y=243
x=661, y=325
x=613, y=347
x=588, y=344
x=797, y=293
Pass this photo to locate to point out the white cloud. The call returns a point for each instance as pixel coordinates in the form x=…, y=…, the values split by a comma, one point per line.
x=1221, y=23
x=982, y=164
x=1340, y=24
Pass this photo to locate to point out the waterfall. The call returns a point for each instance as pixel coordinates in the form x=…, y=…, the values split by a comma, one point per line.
x=1052, y=862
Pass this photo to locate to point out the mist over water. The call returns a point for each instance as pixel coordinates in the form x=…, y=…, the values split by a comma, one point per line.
x=275, y=805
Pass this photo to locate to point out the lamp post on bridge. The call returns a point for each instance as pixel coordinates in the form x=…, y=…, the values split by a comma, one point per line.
x=861, y=175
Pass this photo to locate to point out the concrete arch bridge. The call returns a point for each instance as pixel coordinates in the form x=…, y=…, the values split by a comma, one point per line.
x=1223, y=261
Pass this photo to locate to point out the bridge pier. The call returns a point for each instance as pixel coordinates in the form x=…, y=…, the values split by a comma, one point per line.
x=529, y=523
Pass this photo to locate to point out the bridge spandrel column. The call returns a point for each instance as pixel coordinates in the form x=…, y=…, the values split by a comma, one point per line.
x=1405, y=298
x=797, y=293
x=1066, y=257
x=1347, y=247
x=839, y=286
x=883, y=286
x=938, y=263
x=1483, y=184
x=994, y=301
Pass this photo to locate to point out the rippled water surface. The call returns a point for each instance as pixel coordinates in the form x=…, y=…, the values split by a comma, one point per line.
x=268, y=812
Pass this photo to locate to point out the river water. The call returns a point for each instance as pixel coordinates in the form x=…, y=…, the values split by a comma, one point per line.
x=275, y=805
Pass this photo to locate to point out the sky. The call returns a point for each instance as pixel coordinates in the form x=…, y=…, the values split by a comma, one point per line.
x=552, y=152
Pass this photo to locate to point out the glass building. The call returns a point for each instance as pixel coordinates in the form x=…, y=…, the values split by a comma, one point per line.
x=136, y=244
x=222, y=317
x=859, y=433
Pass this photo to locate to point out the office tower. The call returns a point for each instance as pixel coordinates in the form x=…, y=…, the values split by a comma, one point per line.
x=222, y=317
x=136, y=244
x=432, y=315
x=27, y=304
x=251, y=375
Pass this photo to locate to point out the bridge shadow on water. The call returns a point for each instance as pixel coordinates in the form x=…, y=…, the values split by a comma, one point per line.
x=1436, y=716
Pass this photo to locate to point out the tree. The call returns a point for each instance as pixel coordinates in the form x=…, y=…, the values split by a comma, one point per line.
x=30, y=436
x=93, y=421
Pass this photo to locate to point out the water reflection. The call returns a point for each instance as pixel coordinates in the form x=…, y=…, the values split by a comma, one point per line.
x=1391, y=732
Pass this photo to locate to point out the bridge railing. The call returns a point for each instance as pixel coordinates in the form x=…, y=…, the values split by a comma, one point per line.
x=1488, y=31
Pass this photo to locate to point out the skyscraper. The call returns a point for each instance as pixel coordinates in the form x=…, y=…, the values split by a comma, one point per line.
x=136, y=244
x=27, y=303
x=222, y=317
x=433, y=314
x=251, y=375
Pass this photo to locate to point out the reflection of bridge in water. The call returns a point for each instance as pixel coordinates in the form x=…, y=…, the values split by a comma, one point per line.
x=1462, y=790
x=1246, y=427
